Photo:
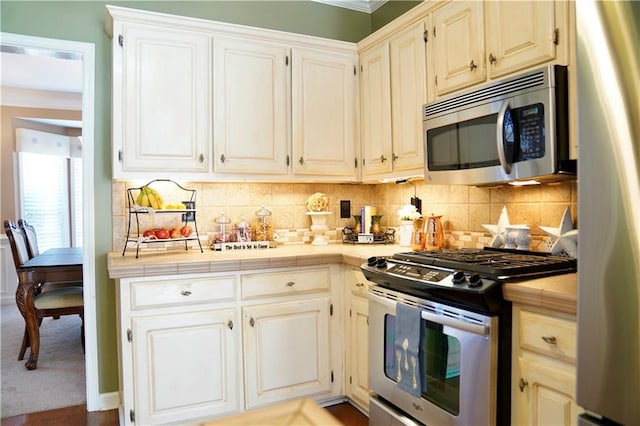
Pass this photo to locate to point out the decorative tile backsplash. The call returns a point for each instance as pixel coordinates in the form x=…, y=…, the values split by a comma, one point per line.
x=463, y=209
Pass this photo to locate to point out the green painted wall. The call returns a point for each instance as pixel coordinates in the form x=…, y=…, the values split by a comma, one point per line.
x=390, y=11
x=84, y=21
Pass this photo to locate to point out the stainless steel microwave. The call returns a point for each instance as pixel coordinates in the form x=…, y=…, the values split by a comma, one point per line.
x=514, y=129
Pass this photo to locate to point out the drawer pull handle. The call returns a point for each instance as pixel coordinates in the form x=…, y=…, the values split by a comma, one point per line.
x=252, y=322
x=550, y=340
x=523, y=384
x=359, y=284
x=230, y=324
x=185, y=293
x=291, y=284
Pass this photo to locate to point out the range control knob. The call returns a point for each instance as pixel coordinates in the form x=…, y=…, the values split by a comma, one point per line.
x=458, y=277
x=381, y=263
x=475, y=280
x=372, y=261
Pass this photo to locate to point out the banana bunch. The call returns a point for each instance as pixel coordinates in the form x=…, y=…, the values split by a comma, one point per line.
x=149, y=197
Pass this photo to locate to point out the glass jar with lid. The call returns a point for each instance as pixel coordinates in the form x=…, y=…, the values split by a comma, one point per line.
x=223, y=232
x=243, y=234
x=262, y=229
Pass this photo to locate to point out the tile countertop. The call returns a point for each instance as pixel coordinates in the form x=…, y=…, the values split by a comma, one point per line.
x=556, y=292
x=176, y=262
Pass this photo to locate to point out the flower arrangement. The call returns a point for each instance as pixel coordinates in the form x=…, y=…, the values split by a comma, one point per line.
x=318, y=202
x=408, y=212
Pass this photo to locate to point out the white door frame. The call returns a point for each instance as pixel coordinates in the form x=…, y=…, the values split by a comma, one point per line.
x=87, y=51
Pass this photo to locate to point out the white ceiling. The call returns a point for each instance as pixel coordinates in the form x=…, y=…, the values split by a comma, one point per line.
x=37, y=72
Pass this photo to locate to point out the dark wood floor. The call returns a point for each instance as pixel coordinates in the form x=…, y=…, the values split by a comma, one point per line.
x=79, y=416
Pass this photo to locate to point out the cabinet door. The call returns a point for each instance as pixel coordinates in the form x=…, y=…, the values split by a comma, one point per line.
x=544, y=394
x=458, y=37
x=185, y=366
x=324, y=113
x=519, y=35
x=375, y=83
x=408, y=95
x=251, y=106
x=161, y=100
x=358, y=351
x=286, y=350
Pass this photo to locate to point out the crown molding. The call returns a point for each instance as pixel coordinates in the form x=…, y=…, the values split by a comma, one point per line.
x=367, y=6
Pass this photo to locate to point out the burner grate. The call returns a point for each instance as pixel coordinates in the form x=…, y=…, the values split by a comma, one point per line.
x=493, y=263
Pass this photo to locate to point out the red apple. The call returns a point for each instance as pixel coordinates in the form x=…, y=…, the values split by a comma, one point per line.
x=186, y=230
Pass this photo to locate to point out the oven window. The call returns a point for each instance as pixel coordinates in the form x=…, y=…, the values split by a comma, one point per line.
x=440, y=370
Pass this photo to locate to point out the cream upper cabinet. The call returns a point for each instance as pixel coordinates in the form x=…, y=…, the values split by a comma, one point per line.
x=324, y=113
x=478, y=41
x=521, y=34
x=458, y=46
x=375, y=110
x=393, y=90
x=251, y=106
x=160, y=101
x=408, y=95
x=543, y=378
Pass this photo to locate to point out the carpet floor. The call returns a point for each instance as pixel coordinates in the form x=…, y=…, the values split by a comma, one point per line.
x=59, y=380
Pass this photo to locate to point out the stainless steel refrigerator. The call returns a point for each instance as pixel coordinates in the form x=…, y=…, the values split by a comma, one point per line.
x=608, y=82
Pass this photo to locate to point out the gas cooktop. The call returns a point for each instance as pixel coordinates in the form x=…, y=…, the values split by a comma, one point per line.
x=498, y=264
x=467, y=278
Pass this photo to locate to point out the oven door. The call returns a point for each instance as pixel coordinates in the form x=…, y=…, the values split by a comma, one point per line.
x=459, y=355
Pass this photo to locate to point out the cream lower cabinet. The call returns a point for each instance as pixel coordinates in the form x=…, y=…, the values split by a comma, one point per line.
x=179, y=347
x=286, y=351
x=169, y=348
x=357, y=346
x=201, y=346
x=288, y=318
x=543, y=368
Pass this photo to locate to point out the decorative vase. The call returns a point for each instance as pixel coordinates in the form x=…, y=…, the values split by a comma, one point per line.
x=319, y=227
x=434, y=233
x=356, y=218
x=405, y=230
x=376, y=227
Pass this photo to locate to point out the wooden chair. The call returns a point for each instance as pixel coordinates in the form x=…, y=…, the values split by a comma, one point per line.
x=31, y=237
x=32, y=249
x=54, y=302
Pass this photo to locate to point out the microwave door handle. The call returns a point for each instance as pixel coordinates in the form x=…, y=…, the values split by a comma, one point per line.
x=500, y=137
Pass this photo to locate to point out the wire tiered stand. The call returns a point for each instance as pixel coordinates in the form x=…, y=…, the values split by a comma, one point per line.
x=188, y=215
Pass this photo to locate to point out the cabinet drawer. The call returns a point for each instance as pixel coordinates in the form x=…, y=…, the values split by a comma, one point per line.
x=151, y=294
x=284, y=283
x=547, y=335
x=359, y=284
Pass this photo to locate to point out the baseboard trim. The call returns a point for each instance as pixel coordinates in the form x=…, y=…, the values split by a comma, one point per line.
x=109, y=401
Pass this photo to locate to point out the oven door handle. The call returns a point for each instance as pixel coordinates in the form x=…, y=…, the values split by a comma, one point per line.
x=482, y=330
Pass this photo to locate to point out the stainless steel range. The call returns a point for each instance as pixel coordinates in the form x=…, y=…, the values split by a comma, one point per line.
x=462, y=364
